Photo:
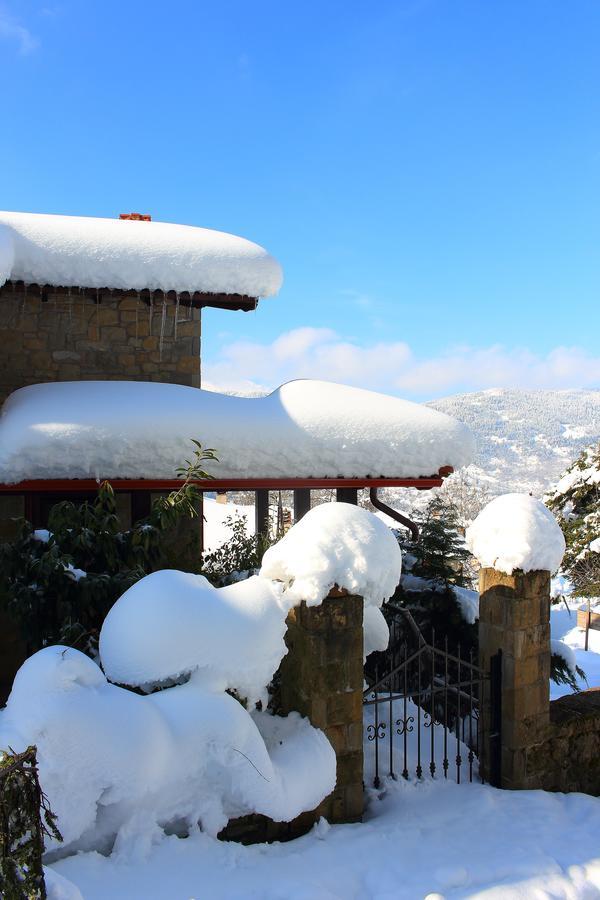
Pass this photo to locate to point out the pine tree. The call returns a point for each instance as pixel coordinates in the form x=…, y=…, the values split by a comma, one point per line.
x=576, y=503
x=440, y=553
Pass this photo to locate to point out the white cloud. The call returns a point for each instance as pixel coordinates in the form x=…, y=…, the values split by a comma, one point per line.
x=12, y=30
x=249, y=366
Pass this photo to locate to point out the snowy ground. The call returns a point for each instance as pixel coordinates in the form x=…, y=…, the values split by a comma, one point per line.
x=418, y=840
x=563, y=624
x=432, y=839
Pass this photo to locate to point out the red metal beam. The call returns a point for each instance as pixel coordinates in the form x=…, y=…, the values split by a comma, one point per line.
x=77, y=485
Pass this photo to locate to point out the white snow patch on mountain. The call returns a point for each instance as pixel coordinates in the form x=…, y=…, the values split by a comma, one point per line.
x=525, y=439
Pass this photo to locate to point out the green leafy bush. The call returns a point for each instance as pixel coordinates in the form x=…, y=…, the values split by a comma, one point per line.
x=59, y=589
x=238, y=558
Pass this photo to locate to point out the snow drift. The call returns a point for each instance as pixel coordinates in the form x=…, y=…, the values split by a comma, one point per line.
x=111, y=759
x=516, y=531
x=304, y=429
x=172, y=623
x=70, y=251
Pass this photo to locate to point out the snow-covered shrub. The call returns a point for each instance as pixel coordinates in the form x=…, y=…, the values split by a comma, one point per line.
x=563, y=665
x=112, y=761
x=575, y=501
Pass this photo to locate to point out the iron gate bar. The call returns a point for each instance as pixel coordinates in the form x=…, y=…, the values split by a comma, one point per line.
x=415, y=676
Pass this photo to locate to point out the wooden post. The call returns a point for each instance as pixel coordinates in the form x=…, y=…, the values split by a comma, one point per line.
x=141, y=505
x=347, y=495
x=261, y=512
x=301, y=503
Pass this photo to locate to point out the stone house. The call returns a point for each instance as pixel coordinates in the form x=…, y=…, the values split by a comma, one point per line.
x=101, y=299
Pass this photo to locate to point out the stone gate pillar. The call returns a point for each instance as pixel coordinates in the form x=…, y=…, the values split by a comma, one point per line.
x=514, y=617
x=322, y=678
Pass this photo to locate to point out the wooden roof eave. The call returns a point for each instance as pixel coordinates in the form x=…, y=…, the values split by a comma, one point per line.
x=197, y=299
x=79, y=485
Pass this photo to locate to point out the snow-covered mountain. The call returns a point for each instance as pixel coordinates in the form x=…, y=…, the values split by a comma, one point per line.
x=526, y=439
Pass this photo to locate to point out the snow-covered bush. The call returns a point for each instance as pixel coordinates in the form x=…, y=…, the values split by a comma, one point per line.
x=576, y=503
x=113, y=761
x=564, y=668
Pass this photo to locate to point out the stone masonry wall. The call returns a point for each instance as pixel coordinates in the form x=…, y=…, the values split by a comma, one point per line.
x=322, y=678
x=71, y=337
x=554, y=746
x=568, y=756
x=514, y=616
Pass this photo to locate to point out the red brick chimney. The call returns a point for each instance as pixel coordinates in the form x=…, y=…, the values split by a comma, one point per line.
x=136, y=217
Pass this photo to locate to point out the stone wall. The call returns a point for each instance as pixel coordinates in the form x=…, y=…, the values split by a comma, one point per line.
x=74, y=337
x=554, y=746
x=514, y=617
x=568, y=756
x=322, y=678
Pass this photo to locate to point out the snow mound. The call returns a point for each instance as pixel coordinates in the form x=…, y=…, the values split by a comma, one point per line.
x=60, y=888
x=114, y=762
x=344, y=545
x=70, y=251
x=516, y=531
x=172, y=623
x=304, y=429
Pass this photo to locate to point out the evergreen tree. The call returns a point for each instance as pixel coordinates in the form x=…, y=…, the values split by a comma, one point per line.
x=440, y=553
x=576, y=503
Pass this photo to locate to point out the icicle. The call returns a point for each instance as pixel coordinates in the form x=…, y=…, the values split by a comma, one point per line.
x=150, y=313
x=176, y=315
x=163, y=319
x=137, y=322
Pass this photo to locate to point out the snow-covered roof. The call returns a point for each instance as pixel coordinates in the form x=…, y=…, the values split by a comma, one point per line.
x=516, y=531
x=304, y=429
x=77, y=251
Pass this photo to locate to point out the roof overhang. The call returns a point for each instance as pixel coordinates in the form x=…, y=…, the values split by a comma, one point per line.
x=196, y=299
x=83, y=485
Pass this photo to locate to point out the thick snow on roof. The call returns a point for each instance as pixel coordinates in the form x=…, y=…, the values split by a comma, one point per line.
x=516, y=531
x=303, y=429
x=70, y=251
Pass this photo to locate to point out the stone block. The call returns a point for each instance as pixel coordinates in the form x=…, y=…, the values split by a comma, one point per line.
x=107, y=316
x=113, y=333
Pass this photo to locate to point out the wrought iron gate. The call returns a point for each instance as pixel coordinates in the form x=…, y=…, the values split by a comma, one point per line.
x=430, y=712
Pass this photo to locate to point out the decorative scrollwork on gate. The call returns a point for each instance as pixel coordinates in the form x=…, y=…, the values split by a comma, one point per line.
x=404, y=725
x=376, y=732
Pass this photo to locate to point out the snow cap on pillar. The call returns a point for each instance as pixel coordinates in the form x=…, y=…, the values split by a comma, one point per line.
x=516, y=531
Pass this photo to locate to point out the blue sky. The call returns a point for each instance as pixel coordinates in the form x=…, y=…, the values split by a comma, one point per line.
x=426, y=171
